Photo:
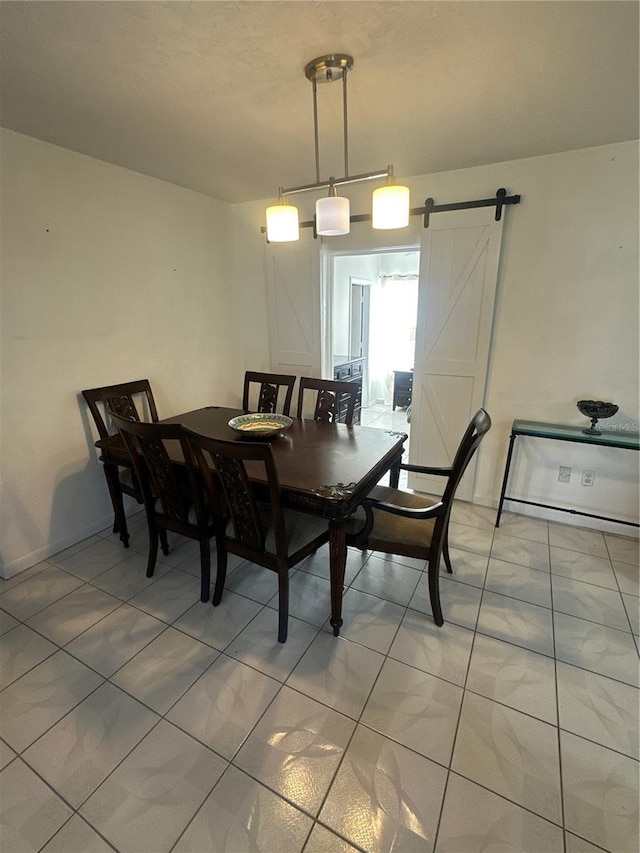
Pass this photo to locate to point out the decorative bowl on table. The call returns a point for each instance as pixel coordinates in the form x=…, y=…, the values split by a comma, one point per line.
x=596, y=410
x=260, y=425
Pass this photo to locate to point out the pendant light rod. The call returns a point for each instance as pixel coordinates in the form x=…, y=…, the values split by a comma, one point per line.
x=339, y=182
x=345, y=122
x=315, y=128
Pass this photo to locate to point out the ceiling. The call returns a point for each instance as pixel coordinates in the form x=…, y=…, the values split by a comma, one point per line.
x=212, y=95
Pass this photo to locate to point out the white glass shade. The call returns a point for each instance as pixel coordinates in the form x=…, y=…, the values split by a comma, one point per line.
x=332, y=216
x=391, y=207
x=282, y=223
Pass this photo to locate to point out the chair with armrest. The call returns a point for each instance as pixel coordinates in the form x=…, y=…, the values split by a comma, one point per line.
x=409, y=524
x=261, y=392
x=253, y=526
x=119, y=400
x=331, y=395
x=174, y=499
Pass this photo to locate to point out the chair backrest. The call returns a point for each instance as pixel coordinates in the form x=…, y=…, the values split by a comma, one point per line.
x=163, y=488
x=474, y=433
x=329, y=396
x=222, y=466
x=261, y=392
x=119, y=400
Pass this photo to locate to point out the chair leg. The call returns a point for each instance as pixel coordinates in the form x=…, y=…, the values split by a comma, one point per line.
x=221, y=573
x=164, y=542
x=445, y=553
x=205, y=569
x=153, y=547
x=434, y=586
x=115, y=493
x=283, y=604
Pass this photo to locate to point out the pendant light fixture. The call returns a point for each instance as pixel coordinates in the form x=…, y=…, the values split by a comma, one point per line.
x=390, y=202
x=282, y=221
x=390, y=205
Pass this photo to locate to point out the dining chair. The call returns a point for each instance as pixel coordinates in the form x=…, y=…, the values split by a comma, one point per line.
x=254, y=526
x=409, y=524
x=334, y=400
x=120, y=400
x=261, y=392
x=174, y=499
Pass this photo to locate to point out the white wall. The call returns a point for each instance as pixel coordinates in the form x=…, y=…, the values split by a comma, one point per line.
x=106, y=276
x=566, y=320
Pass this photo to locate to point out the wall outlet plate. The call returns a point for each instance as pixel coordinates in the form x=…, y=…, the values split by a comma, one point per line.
x=588, y=477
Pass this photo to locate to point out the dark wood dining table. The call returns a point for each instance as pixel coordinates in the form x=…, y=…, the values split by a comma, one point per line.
x=325, y=469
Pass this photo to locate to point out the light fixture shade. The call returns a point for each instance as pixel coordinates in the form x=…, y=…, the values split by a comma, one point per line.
x=390, y=207
x=332, y=216
x=282, y=223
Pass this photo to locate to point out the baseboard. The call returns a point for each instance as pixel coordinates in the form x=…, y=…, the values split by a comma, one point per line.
x=20, y=564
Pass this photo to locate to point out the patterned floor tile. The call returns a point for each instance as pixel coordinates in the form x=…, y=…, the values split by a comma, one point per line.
x=524, y=624
x=114, y=640
x=160, y=673
x=510, y=753
x=79, y=752
x=474, y=819
x=241, y=814
x=600, y=789
x=30, y=811
x=134, y=812
x=416, y=709
x=337, y=673
x=35, y=702
x=224, y=705
x=443, y=651
x=597, y=648
x=395, y=796
x=296, y=748
x=514, y=676
x=599, y=709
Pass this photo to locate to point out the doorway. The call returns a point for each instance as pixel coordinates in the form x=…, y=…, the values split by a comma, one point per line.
x=373, y=299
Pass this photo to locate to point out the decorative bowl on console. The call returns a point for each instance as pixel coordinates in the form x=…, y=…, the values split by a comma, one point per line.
x=596, y=410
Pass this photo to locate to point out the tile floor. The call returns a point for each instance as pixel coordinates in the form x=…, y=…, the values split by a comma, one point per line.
x=134, y=718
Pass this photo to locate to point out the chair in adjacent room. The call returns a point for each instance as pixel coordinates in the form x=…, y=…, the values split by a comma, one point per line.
x=409, y=524
x=120, y=400
x=262, y=390
x=174, y=499
x=334, y=401
x=255, y=527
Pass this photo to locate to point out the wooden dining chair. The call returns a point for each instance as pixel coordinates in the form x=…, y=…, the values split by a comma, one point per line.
x=122, y=399
x=409, y=524
x=174, y=499
x=261, y=392
x=334, y=401
x=255, y=527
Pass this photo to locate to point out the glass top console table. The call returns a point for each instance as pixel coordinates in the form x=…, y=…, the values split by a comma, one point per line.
x=560, y=432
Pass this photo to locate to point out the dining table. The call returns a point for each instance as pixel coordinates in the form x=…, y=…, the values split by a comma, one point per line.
x=325, y=469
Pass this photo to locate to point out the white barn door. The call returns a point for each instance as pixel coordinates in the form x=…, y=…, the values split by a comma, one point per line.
x=293, y=282
x=458, y=274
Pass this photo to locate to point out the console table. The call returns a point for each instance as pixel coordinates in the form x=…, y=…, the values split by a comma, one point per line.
x=559, y=432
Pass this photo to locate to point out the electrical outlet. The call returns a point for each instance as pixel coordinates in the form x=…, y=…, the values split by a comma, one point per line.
x=588, y=477
x=564, y=474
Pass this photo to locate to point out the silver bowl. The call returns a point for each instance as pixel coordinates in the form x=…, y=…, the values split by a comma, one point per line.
x=260, y=425
x=596, y=409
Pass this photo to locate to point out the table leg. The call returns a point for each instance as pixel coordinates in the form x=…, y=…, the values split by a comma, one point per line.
x=505, y=478
x=337, y=563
